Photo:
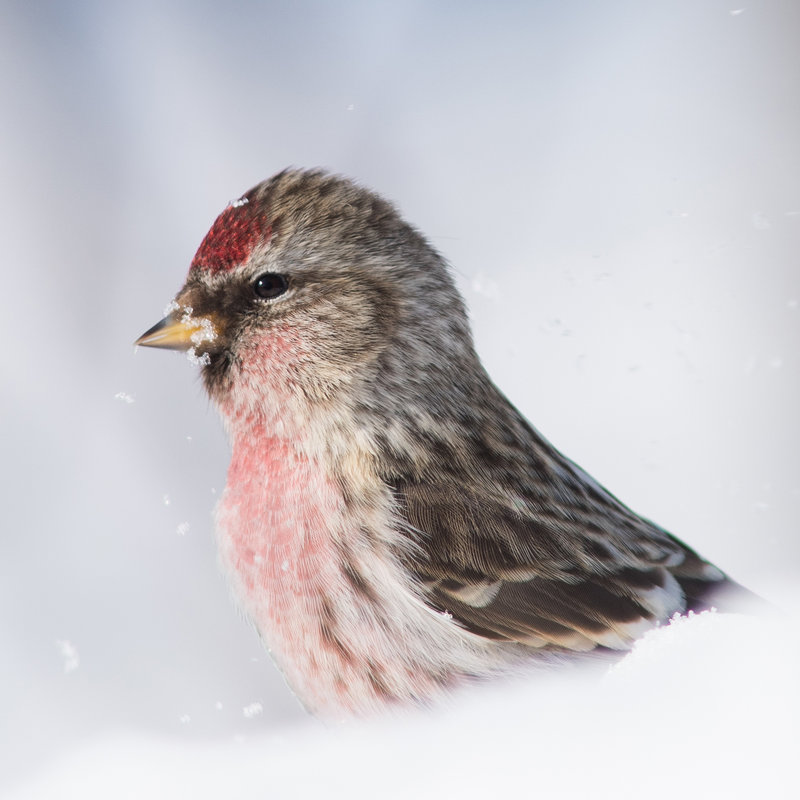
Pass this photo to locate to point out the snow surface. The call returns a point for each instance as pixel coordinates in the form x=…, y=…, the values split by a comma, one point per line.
x=705, y=707
x=616, y=186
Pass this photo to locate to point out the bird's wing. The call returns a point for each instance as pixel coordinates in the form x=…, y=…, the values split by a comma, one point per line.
x=545, y=556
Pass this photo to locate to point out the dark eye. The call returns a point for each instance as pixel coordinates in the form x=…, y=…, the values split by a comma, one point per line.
x=270, y=285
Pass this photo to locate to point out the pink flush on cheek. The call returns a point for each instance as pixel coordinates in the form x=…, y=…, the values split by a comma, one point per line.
x=232, y=237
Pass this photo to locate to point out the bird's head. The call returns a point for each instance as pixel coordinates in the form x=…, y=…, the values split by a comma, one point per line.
x=309, y=286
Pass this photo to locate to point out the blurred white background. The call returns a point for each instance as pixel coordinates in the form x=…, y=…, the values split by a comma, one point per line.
x=616, y=184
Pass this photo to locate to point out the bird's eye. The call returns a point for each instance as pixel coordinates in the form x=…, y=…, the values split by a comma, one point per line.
x=270, y=285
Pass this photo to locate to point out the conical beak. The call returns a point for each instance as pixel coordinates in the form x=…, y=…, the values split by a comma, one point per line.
x=178, y=333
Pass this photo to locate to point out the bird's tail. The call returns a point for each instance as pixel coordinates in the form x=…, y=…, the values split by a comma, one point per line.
x=723, y=594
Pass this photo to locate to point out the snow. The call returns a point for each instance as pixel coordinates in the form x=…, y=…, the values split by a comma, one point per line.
x=195, y=360
x=704, y=707
x=69, y=653
x=205, y=330
x=170, y=307
x=486, y=287
x=252, y=710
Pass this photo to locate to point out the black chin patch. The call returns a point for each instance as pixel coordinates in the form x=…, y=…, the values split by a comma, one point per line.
x=216, y=373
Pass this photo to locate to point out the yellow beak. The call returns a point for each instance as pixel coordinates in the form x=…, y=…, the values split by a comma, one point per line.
x=179, y=333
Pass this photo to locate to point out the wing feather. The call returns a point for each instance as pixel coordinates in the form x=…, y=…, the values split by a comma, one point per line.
x=518, y=543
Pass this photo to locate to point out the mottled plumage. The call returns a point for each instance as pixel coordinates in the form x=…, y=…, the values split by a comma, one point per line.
x=391, y=524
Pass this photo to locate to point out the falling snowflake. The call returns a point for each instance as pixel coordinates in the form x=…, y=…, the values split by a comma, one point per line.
x=69, y=653
x=252, y=710
x=483, y=285
x=761, y=221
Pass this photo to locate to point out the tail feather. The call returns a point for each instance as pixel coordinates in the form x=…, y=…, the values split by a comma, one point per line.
x=722, y=595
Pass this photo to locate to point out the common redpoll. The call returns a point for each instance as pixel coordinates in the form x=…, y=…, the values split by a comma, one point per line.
x=391, y=524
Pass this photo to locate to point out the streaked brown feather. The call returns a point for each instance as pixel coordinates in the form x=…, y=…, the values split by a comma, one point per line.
x=569, y=565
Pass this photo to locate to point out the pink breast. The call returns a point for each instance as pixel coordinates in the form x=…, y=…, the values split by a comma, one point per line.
x=277, y=527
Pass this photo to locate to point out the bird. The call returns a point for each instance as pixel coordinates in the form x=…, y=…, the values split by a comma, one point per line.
x=391, y=525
